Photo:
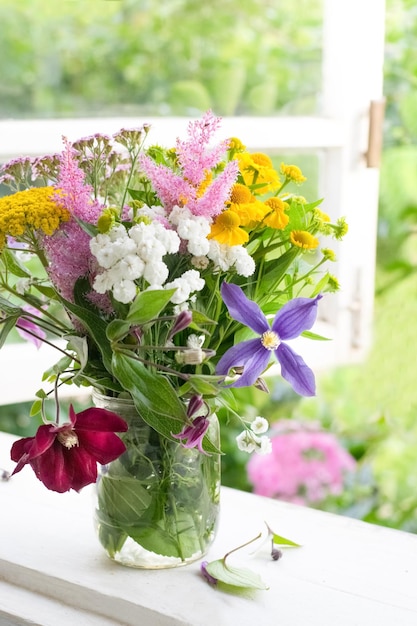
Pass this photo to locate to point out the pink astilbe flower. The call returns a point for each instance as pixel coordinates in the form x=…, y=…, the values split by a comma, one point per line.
x=68, y=249
x=305, y=465
x=195, y=159
x=76, y=196
x=195, y=155
x=212, y=202
x=171, y=188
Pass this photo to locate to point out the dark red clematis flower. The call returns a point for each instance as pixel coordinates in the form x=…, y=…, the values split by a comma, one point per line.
x=65, y=457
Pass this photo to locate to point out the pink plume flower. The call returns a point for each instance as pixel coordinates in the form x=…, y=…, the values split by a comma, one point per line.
x=195, y=157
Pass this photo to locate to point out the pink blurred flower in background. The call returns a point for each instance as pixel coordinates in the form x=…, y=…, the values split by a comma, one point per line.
x=305, y=465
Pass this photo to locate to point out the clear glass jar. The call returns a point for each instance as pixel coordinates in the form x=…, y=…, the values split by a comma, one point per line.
x=157, y=505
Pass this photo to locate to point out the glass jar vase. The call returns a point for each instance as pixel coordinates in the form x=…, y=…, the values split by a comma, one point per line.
x=157, y=505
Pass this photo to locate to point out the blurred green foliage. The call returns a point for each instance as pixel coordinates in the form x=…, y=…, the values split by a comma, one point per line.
x=161, y=58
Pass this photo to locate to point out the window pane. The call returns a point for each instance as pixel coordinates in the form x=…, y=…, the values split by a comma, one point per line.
x=123, y=57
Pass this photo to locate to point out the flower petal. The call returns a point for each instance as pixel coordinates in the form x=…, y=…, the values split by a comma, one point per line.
x=295, y=371
x=251, y=355
x=295, y=317
x=102, y=447
x=100, y=420
x=242, y=309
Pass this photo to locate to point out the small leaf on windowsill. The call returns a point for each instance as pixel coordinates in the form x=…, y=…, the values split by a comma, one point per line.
x=282, y=541
x=233, y=576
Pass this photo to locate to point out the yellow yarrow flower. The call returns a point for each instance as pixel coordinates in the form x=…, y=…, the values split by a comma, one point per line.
x=303, y=239
x=276, y=217
x=226, y=229
x=292, y=172
x=257, y=169
x=31, y=210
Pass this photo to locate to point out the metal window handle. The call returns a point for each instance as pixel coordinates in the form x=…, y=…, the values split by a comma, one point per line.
x=375, y=136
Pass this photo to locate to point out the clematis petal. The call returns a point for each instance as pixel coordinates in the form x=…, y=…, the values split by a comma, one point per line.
x=295, y=317
x=295, y=371
x=251, y=355
x=50, y=468
x=102, y=447
x=20, y=453
x=82, y=468
x=242, y=309
x=99, y=420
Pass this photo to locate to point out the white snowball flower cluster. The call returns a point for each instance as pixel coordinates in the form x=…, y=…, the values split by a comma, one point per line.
x=191, y=228
x=185, y=285
x=249, y=440
x=126, y=256
x=225, y=257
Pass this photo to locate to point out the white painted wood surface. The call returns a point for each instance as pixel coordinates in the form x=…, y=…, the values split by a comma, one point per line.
x=53, y=572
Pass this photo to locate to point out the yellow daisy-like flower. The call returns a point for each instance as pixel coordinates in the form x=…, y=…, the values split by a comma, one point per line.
x=257, y=169
x=30, y=210
x=250, y=210
x=226, y=229
x=292, y=172
x=303, y=239
x=276, y=218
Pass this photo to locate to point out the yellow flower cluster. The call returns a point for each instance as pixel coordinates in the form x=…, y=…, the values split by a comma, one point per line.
x=26, y=211
x=246, y=210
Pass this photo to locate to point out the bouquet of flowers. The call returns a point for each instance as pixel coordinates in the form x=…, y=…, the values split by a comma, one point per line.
x=166, y=275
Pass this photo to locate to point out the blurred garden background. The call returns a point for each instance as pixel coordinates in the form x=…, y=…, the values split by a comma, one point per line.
x=106, y=61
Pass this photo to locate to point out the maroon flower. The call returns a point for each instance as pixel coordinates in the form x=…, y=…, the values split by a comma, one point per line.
x=65, y=457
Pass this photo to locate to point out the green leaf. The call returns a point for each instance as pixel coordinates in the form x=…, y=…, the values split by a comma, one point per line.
x=117, y=329
x=148, y=304
x=309, y=335
x=282, y=541
x=153, y=395
x=35, y=408
x=6, y=326
x=14, y=265
x=235, y=576
x=80, y=346
x=96, y=328
x=155, y=399
x=90, y=229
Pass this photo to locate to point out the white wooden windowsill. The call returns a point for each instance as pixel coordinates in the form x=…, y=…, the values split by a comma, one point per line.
x=52, y=569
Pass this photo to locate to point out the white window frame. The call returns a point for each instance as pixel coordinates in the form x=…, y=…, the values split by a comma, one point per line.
x=353, y=53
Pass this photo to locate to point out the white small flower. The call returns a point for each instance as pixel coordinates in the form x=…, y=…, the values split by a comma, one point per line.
x=194, y=280
x=247, y=441
x=259, y=425
x=155, y=273
x=103, y=282
x=130, y=267
x=243, y=262
x=118, y=233
x=124, y=291
x=265, y=446
x=195, y=341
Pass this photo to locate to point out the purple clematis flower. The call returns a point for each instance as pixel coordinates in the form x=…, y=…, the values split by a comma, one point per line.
x=253, y=355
